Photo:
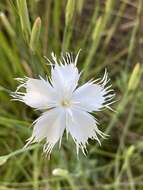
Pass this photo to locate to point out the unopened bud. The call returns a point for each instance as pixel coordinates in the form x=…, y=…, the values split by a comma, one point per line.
x=135, y=77
x=35, y=34
x=60, y=172
x=70, y=11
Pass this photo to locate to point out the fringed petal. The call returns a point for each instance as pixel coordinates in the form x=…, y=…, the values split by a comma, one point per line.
x=82, y=126
x=64, y=73
x=39, y=93
x=49, y=126
x=92, y=96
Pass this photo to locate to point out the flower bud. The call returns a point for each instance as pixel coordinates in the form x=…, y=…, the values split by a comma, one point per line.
x=35, y=34
x=135, y=77
x=60, y=172
x=69, y=11
x=97, y=30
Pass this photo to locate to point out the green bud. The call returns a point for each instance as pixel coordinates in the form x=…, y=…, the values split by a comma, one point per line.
x=108, y=6
x=80, y=4
x=35, y=34
x=108, y=9
x=98, y=29
x=60, y=172
x=69, y=11
x=135, y=77
x=130, y=151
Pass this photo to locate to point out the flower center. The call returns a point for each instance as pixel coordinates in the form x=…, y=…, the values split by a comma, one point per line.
x=65, y=103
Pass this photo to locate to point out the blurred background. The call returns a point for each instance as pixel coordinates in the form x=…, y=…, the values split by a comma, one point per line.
x=110, y=34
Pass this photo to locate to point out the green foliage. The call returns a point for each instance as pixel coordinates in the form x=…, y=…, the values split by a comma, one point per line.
x=109, y=34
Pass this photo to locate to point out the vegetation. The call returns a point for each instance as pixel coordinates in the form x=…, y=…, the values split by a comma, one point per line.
x=109, y=33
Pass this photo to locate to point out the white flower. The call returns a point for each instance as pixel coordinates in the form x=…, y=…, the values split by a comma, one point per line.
x=64, y=104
